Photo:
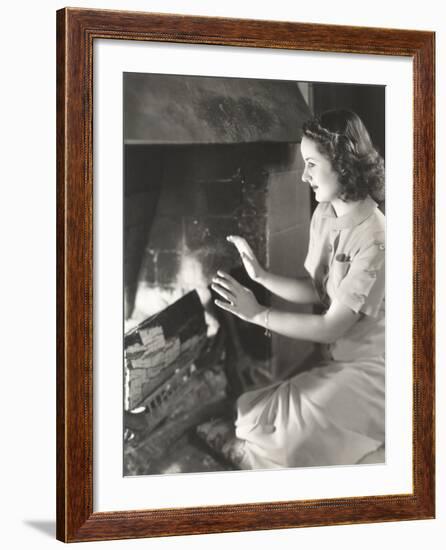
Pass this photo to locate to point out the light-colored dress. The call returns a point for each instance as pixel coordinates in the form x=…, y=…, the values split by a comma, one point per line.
x=333, y=413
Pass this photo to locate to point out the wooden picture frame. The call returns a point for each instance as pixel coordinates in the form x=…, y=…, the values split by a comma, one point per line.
x=76, y=31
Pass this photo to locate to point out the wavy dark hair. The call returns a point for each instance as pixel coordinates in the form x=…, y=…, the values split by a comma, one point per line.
x=342, y=137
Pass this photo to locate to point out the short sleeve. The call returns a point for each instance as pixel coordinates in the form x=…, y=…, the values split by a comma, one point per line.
x=363, y=288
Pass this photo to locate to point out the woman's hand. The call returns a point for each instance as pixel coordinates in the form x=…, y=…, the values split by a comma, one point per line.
x=252, y=266
x=238, y=299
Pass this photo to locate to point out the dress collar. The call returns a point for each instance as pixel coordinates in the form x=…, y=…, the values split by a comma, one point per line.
x=361, y=212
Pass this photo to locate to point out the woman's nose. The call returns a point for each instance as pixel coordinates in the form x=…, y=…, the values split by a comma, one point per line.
x=305, y=177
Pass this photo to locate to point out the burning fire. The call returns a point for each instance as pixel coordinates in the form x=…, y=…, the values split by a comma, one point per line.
x=150, y=300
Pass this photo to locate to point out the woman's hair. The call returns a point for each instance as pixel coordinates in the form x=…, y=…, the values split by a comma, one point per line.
x=342, y=137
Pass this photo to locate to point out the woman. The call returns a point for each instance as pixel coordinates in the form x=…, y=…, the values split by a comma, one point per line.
x=333, y=413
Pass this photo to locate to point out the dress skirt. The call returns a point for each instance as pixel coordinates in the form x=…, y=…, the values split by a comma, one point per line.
x=330, y=415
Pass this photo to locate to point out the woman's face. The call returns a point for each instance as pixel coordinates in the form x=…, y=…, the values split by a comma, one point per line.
x=318, y=172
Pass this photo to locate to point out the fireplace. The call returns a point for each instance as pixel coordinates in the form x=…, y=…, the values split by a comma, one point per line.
x=206, y=158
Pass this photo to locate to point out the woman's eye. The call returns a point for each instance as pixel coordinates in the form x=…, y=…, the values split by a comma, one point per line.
x=310, y=164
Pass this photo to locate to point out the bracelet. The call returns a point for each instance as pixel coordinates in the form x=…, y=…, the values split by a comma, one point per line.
x=267, y=331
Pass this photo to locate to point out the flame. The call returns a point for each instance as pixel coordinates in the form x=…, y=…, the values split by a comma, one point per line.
x=150, y=300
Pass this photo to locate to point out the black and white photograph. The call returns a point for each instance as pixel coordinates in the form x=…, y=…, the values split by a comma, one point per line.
x=199, y=198
x=254, y=274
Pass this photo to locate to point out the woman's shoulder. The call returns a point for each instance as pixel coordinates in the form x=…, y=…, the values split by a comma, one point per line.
x=376, y=222
x=371, y=233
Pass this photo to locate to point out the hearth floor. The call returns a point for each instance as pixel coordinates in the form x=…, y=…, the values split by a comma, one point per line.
x=174, y=447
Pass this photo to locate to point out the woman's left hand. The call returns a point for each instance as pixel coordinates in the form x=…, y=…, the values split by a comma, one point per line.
x=238, y=299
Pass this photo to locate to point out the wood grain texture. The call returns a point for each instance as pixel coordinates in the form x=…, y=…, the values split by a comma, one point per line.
x=76, y=31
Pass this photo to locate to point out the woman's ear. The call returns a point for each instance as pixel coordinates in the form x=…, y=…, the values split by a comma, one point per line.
x=342, y=195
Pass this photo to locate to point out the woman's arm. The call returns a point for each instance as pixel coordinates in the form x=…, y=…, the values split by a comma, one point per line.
x=299, y=291
x=323, y=329
x=326, y=328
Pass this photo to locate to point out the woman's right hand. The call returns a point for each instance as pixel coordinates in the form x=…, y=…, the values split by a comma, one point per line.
x=252, y=266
